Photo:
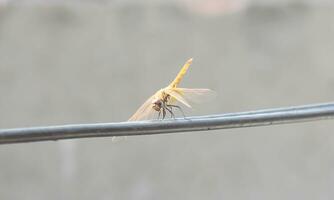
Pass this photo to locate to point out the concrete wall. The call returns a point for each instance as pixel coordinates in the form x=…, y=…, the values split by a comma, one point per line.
x=86, y=63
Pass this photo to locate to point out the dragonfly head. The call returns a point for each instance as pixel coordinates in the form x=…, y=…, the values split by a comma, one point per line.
x=157, y=104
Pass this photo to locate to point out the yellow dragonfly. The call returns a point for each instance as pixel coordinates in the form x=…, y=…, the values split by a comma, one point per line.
x=165, y=99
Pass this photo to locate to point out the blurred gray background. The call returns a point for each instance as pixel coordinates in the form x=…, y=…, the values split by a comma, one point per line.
x=88, y=62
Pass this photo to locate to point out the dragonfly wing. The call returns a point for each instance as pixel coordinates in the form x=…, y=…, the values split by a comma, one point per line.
x=176, y=94
x=145, y=111
x=188, y=96
x=196, y=95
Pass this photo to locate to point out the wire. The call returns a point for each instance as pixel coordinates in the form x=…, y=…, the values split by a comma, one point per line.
x=198, y=123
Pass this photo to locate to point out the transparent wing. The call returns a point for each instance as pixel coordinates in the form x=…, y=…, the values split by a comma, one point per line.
x=145, y=111
x=177, y=95
x=188, y=96
x=197, y=95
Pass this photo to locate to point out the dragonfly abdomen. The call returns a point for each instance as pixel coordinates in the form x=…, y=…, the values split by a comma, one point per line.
x=181, y=74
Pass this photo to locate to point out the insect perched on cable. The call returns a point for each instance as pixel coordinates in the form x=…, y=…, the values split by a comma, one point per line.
x=165, y=99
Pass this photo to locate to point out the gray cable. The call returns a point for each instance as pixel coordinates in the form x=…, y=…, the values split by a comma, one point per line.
x=198, y=123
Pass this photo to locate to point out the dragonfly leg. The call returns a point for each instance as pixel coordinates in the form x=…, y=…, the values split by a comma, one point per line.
x=163, y=113
x=159, y=114
x=171, y=112
x=178, y=107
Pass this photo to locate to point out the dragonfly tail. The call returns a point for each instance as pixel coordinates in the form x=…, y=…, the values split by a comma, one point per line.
x=180, y=75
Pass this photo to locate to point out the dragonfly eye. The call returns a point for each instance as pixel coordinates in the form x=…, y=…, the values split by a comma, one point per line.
x=157, y=105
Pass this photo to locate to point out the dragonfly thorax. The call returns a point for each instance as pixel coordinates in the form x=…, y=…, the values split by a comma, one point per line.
x=160, y=103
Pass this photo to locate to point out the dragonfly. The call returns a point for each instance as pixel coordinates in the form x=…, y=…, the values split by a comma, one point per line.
x=168, y=98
